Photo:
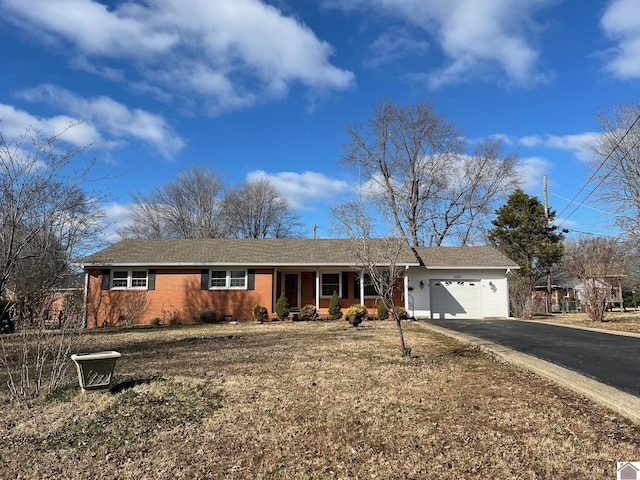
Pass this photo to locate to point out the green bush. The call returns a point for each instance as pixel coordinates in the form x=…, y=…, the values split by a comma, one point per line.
x=383, y=311
x=282, y=307
x=402, y=313
x=355, y=314
x=308, y=312
x=260, y=313
x=335, y=307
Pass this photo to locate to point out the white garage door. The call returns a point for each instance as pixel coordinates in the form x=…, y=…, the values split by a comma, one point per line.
x=456, y=299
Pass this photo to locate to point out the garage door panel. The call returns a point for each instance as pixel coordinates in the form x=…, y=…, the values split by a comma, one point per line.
x=455, y=299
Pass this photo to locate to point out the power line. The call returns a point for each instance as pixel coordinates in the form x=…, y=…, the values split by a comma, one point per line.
x=581, y=204
x=598, y=169
x=572, y=230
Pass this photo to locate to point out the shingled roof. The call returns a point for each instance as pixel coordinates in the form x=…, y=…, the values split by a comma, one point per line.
x=227, y=251
x=284, y=252
x=464, y=257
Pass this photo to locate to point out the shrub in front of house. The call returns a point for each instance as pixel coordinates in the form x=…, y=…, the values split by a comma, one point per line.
x=355, y=314
x=335, y=307
x=308, y=312
x=383, y=311
x=260, y=313
x=205, y=316
x=402, y=313
x=282, y=308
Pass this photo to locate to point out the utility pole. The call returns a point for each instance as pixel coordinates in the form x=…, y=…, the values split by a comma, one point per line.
x=546, y=198
x=547, y=299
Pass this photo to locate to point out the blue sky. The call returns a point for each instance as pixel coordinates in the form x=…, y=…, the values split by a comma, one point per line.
x=264, y=88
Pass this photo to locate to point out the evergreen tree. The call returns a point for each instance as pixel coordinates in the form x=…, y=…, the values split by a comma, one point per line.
x=282, y=307
x=527, y=236
x=335, y=307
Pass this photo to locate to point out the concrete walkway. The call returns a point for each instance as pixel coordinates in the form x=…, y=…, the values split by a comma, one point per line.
x=601, y=365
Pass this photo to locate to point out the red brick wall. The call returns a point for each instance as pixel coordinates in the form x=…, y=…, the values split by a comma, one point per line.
x=177, y=295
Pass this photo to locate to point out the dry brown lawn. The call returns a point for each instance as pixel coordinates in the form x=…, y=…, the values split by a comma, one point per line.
x=617, y=321
x=310, y=400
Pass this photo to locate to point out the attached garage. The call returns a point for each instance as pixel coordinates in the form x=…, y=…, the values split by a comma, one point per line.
x=459, y=282
x=455, y=298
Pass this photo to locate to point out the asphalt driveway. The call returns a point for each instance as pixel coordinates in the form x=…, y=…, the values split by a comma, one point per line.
x=610, y=359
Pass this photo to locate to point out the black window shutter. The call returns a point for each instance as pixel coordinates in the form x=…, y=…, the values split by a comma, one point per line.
x=356, y=286
x=251, y=279
x=345, y=284
x=106, y=279
x=204, y=279
x=151, y=279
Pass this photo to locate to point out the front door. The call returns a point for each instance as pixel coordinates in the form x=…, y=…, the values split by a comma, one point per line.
x=291, y=281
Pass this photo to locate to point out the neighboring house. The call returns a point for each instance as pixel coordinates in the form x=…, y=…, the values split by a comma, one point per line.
x=71, y=285
x=460, y=282
x=563, y=293
x=610, y=284
x=145, y=281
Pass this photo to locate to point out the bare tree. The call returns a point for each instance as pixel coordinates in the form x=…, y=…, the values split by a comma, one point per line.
x=616, y=165
x=256, y=209
x=46, y=219
x=378, y=258
x=188, y=207
x=597, y=262
x=416, y=164
x=473, y=186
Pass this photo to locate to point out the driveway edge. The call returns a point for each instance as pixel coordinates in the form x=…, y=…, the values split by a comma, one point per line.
x=623, y=403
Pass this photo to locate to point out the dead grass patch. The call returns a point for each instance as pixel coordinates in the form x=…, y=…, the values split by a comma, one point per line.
x=628, y=321
x=311, y=400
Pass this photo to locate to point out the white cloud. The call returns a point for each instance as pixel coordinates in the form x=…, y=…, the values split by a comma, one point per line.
x=621, y=23
x=490, y=38
x=304, y=189
x=531, y=140
x=116, y=218
x=579, y=144
x=393, y=44
x=16, y=122
x=115, y=120
x=532, y=170
x=223, y=55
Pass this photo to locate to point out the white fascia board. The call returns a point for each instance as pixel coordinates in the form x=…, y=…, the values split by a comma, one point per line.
x=432, y=267
x=230, y=264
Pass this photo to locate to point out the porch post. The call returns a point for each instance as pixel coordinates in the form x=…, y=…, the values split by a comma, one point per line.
x=406, y=290
x=274, y=289
x=361, y=282
x=317, y=280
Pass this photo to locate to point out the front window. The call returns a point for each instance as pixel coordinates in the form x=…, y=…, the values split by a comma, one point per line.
x=139, y=279
x=218, y=279
x=330, y=284
x=229, y=279
x=238, y=278
x=369, y=287
x=129, y=279
x=120, y=279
